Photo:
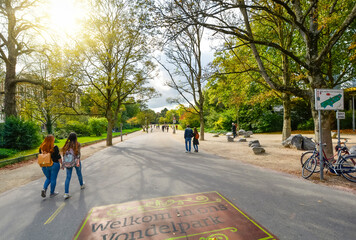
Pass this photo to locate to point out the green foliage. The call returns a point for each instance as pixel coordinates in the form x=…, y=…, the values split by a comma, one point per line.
x=222, y=120
x=268, y=122
x=98, y=125
x=190, y=119
x=301, y=114
x=347, y=122
x=4, y=152
x=81, y=129
x=307, y=125
x=1, y=134
x=19, y=134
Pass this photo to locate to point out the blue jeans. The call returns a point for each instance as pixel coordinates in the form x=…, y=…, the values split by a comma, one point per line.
x=69, y=176
x=51, y=174
x=188, y=141
x=195, y=147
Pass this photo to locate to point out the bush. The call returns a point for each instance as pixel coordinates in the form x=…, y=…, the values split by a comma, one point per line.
x=98, y=125
x=61, y=133
x=4, y=152
x=19, y=134
x=1, y=135
x=308, y=125
x=269, y=122
x=81, y=129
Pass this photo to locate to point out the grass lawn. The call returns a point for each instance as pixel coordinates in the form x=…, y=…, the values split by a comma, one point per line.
x=60, y=143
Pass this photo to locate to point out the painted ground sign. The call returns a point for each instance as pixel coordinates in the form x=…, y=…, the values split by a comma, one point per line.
x=201, y=216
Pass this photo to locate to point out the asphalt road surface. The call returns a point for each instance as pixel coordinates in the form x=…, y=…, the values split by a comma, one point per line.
x=156, y=165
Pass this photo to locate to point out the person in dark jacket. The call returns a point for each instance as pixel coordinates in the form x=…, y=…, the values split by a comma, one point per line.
x=233, y=129
x=188, y=134
x=196, y=140
x=51, y=172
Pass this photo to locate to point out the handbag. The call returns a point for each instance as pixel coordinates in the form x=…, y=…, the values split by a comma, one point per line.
x=44, y=159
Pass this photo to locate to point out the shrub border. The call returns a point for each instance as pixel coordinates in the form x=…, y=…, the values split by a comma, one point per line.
x=33, y=156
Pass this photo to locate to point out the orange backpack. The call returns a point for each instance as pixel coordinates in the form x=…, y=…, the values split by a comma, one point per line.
x=197, y=136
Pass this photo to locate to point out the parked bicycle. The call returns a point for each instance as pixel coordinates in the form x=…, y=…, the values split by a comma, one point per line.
x=345, y=164
x=306, y=155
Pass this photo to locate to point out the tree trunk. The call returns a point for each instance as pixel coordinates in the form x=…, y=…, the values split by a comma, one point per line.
x=10, y=97
x=287, y=129
x=111, y=123
x=202, y=125
x=11, y=61
x=49, y=124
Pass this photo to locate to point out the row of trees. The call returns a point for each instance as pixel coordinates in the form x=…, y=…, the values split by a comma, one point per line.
x=272, y=47
x=99, y=72
x=273, y=52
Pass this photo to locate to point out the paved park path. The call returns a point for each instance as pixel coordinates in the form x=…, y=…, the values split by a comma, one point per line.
x=156, y=165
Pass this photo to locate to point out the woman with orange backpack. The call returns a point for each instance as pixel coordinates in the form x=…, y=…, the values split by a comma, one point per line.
x=51, y=172
x=195, y=140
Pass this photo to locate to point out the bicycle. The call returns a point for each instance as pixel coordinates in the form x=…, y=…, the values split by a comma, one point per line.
x=345, y=164
x=306, y=155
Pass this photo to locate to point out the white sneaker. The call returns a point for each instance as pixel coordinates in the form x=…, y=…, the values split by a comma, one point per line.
x=66, y=196
x=83, y=186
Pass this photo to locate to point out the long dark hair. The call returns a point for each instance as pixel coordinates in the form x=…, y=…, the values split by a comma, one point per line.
x=71, y=143
x=195, y=130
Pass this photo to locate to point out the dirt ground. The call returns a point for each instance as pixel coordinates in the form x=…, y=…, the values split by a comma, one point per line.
x=276, y=157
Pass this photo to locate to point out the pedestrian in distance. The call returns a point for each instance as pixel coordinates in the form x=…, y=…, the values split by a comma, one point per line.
x=71, y=159
x=233, y=129
x=51, y=172
x=188, y=134
x=195, y=140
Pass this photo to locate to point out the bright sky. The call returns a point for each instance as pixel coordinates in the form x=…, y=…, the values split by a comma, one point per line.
x=65, y=16
x=64, y=20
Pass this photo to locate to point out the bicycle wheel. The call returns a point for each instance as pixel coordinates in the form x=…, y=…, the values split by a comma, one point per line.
x=311, y=154
x=347, y=168
x=309, y=167
x=305, y=156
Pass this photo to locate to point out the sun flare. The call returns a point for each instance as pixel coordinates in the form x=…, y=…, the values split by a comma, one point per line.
x=65, y=15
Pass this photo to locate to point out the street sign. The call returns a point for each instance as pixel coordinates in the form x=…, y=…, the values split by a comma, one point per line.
x=340, y=115
x=329, y=99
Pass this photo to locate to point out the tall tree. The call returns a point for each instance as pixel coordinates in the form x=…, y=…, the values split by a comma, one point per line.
x=115, y=64
x=184, y=54
x=56, y=70
x=14, y=43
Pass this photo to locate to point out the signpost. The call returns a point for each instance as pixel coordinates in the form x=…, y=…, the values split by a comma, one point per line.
x=328, y=99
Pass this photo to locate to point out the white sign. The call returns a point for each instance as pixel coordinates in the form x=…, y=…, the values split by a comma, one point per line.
x=340, y=115
x=329, y=99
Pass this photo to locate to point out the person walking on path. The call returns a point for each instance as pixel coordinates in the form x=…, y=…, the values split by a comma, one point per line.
x=196, y=140
x=188, y=134
x=233, y=129
x=72, y=146
x=51, y=172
